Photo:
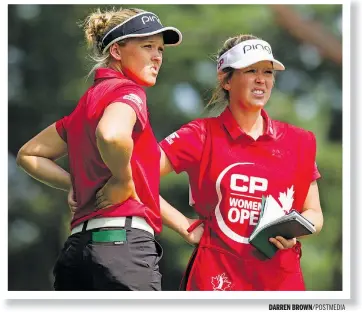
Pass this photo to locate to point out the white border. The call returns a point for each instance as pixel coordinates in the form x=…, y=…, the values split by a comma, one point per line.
x=209, y=295
x=346, y=152
x=345, y=294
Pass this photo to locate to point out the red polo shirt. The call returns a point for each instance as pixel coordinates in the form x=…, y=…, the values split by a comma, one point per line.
x=229, y=172
x=88, y=171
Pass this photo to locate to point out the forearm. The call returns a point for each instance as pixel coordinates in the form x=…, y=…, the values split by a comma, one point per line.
x=116, y=154
x=46, y=171
x=173, y=218
x=316, y=217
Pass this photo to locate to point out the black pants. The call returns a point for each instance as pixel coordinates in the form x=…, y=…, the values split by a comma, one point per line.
x=131, y=265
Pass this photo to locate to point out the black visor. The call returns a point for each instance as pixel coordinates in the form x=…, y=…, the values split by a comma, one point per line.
x=141, y=25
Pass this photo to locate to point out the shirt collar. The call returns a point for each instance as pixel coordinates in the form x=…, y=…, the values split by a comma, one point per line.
x=103, y=73
x=235, y=131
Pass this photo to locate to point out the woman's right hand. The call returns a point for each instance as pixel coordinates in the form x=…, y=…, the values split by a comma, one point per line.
x=114, y=192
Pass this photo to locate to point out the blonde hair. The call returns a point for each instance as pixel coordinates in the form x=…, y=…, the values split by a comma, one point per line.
x=97, y=24
x=220, y=97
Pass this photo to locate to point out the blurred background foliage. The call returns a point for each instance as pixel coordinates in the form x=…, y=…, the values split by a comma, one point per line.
x=47, y=73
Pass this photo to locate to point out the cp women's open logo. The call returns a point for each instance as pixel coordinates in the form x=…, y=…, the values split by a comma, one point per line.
x=240, y=188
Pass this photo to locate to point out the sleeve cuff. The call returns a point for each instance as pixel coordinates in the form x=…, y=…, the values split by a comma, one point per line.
x=173, y=159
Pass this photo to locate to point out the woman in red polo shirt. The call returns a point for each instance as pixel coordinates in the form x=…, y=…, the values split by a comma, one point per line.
x=232, y=161
x=109, y=141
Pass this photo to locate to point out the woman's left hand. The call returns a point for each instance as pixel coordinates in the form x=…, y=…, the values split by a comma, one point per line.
x=283, y=243
x=114, y=192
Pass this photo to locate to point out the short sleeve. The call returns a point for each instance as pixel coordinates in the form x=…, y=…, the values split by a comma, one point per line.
x=316, y=174
x=135, y=97
x=61, y=126
x=184, y=147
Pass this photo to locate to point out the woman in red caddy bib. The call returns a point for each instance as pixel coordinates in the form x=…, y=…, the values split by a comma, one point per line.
x=232, y=161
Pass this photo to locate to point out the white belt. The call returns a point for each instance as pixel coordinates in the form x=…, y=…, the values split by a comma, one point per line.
x=96, y=223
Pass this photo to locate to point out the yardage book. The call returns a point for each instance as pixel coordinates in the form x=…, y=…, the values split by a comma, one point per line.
x=274, y=222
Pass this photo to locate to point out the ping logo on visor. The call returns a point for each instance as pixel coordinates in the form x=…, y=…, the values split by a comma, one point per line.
x=150, y=18
x=250, y=47
x=247, y=53
x=141, y=25
x=219, y=64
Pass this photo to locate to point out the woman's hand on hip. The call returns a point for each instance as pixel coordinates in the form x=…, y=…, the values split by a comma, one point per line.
x=115, y=192
x=72, y=203
x=283, y=243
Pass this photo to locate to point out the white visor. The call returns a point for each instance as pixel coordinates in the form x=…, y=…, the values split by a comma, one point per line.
x=247, y=53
